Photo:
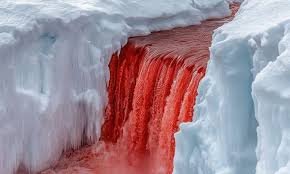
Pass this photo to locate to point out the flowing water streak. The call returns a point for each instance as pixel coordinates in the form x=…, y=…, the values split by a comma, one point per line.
x=152, y=89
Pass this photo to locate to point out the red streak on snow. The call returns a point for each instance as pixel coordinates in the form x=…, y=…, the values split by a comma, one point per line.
x=152, y=89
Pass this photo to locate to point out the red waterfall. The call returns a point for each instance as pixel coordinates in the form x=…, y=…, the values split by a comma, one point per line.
x=152, y=89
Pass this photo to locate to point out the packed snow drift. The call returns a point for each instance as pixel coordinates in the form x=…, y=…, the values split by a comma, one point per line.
x=54, y=68
x=242, y=113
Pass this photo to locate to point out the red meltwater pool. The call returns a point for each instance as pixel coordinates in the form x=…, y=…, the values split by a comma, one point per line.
x=152, y=89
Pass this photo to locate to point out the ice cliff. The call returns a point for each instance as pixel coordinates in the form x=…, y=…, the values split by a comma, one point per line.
x=54, y=68
x=242, y=111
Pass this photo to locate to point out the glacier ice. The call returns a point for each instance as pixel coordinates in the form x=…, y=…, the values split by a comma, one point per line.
x=242, y=110
x=54, y=68
x=271, y=93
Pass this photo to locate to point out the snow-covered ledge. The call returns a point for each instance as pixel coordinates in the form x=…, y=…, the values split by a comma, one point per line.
x=54, y=59
x=242, y=112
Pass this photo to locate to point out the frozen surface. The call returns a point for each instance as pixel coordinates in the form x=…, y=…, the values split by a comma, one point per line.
x=54, y=67
x=242, y=114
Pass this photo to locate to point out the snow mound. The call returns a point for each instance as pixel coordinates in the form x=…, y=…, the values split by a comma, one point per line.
x=242, y=113
x=54, y=68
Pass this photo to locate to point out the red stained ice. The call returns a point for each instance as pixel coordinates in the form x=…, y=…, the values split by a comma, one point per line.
x=152, y=89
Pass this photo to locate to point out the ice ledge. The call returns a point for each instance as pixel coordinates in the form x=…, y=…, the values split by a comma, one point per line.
x=54, y=69
x=242, y=118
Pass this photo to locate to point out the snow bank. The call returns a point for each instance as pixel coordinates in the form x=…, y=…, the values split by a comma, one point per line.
x=242, y=114
x=54, y=68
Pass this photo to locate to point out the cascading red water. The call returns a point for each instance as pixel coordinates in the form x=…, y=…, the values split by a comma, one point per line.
x=152, y=89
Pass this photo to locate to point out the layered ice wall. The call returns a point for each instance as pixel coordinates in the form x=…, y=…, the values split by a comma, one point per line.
x=242, y=112
x=54, y=67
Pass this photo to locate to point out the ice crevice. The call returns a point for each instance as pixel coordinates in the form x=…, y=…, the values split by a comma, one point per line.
x=241, y=115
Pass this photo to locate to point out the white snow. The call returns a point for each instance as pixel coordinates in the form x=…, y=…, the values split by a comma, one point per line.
x=242, y=123
x=54, y=59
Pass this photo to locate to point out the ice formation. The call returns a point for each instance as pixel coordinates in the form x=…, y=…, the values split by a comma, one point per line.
x=152, y=88
x=242, y=112
x=54, y=68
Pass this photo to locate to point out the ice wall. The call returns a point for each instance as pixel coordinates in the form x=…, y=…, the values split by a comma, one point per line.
x=54, y=67
x=242, y=118
x=271, y=96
